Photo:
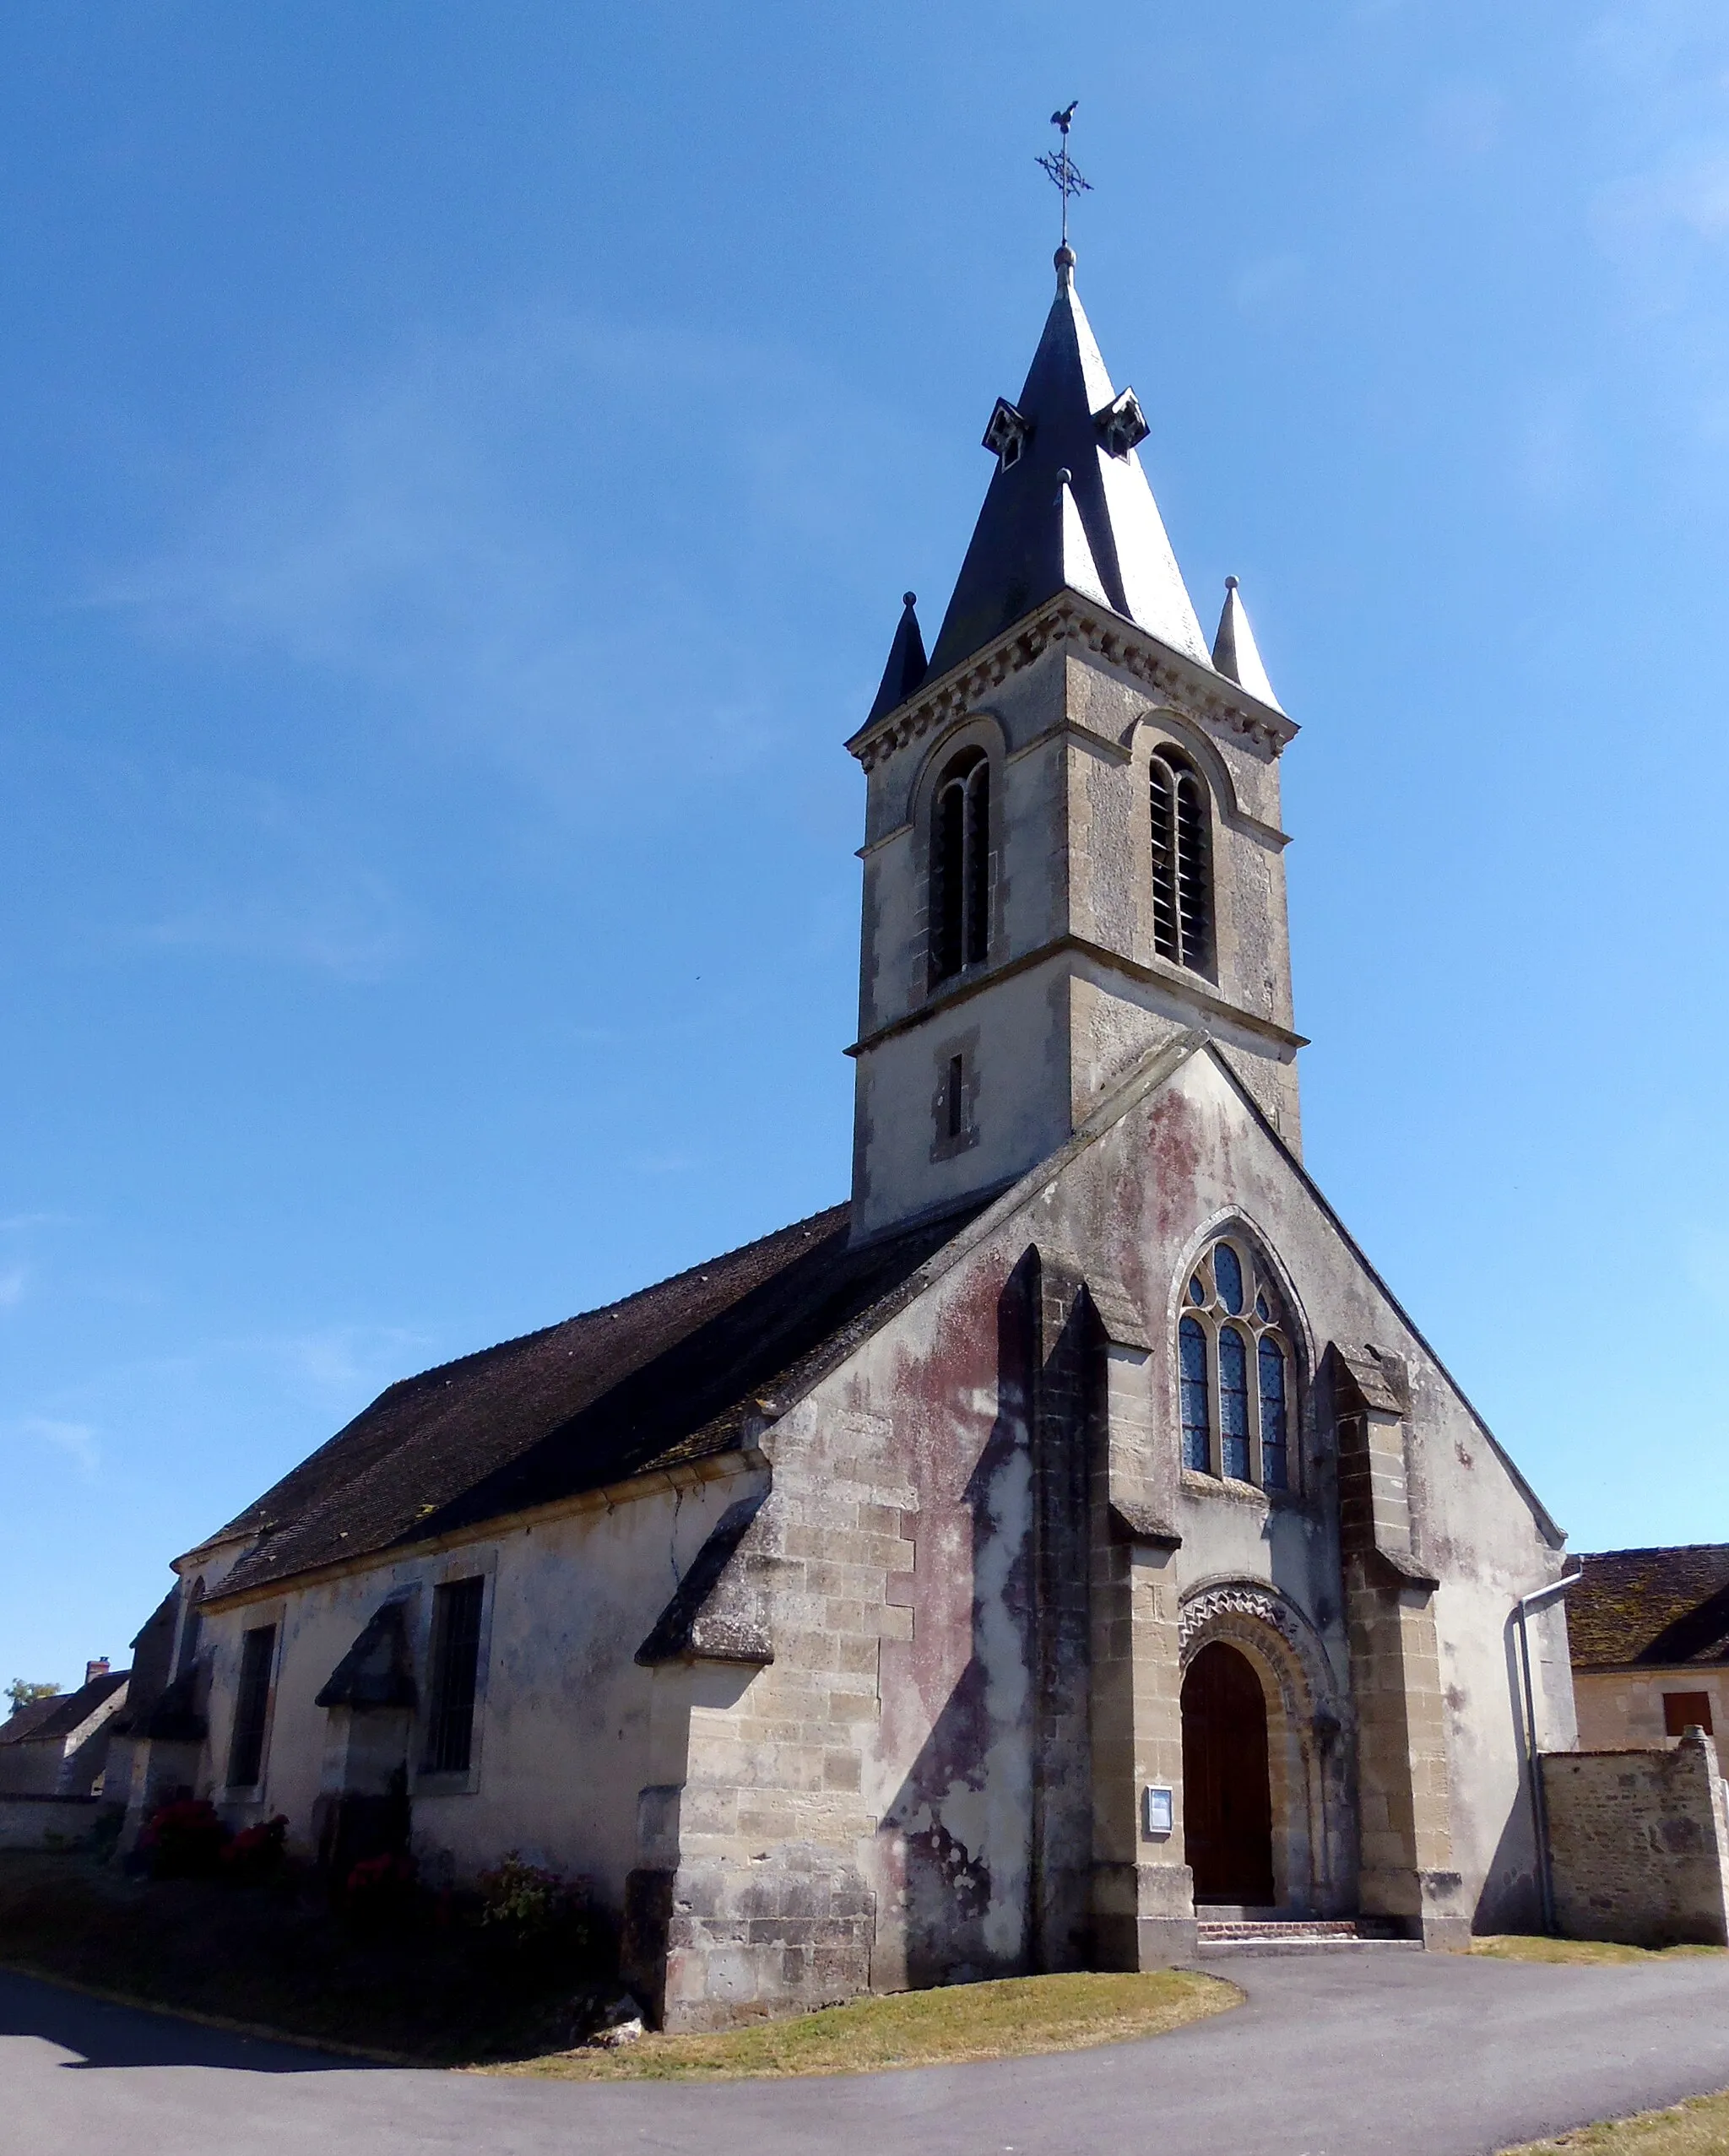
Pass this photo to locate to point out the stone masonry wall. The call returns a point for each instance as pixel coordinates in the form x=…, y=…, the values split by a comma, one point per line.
x=1639, y=1843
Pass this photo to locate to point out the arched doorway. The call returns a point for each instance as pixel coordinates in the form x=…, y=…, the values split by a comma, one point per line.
x=1227, y=1813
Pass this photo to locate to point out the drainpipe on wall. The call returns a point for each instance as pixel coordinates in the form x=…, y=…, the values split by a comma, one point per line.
x=1539, y=1808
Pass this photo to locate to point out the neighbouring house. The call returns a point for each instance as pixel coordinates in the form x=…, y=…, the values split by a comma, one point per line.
x=1648, y=1632
x=1067, y=1537
x=58, y=1747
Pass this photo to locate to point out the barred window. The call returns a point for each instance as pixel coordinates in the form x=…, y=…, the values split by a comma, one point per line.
x=960, y=866
x=1182, y=875
x=456, y=1669
x=251, y=1707
x=1235, y=1375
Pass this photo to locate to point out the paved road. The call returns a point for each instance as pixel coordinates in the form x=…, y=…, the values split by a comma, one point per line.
x=1346, y=2055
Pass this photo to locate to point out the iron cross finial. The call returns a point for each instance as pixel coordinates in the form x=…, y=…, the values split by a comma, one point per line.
x=1061, y=166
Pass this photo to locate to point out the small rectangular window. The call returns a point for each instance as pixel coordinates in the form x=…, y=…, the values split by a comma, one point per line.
x=956, y=1103
x=456, y=1668
x=251, y=1707
x=1683, y=1710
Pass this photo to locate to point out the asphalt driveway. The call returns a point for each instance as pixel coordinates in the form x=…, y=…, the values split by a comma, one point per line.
x=1335, y=2055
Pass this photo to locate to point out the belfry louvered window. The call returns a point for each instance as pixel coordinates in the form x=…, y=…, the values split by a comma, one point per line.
x=1182, y=872
x=1235, y=1376
x=960, y=866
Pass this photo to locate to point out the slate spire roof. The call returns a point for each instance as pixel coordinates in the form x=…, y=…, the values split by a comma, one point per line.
x=906, y=662
x=1033, y=529
x=1235, y=653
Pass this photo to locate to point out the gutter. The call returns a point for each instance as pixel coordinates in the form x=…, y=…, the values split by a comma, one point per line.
x=1539, y=1805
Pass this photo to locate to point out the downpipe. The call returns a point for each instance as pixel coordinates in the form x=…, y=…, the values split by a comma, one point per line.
x=1539, y=1804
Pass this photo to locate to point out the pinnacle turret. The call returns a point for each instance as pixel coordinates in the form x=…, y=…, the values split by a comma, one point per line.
x=907, y=662
x=1235, y=653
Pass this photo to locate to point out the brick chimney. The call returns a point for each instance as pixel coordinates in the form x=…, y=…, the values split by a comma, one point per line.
x=93, y=1670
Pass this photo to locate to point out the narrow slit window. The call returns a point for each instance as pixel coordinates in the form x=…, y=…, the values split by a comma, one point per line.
x=1197, y=1447
x=960, y=866
x=956, y=1104
x=1233, y=1404
x=1273, y=1437
x=456, y=1668
x=1182, y=877
x=251, y=1707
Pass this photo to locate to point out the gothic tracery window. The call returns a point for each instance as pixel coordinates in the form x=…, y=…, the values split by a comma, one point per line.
x=1182, y=873
x=960, y=866
x=1235, y=1375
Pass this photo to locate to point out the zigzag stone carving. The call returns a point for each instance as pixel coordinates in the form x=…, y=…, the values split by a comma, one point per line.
x=1237, y=1601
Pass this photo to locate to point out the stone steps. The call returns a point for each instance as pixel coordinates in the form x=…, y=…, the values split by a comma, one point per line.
x=1253, y=1931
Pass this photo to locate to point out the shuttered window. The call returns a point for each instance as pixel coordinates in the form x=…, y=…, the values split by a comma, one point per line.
x=960, y=866
x=456, y=1668
x=251, y=1707
x=1182, y=876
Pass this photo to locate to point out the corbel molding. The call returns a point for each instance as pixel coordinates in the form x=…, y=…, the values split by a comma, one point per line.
x=1071, y=619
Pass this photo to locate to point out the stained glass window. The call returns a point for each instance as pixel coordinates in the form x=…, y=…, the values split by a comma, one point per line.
x=1196, y=1446
x=1234, y=1403
x=1273, y=1437
x=1233, y=1336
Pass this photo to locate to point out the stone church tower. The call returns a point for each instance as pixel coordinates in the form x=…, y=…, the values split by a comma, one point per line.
x=1009, y=982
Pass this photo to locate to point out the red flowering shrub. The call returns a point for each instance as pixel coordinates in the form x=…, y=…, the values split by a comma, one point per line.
x=381, y=1893
x=255, y=1855
x=184, y=1839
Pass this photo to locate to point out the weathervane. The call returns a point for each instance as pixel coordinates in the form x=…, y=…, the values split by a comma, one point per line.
x=1061, y=166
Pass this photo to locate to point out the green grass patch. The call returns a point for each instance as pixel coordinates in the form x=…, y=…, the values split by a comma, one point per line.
x=948, y=2027
x=1575, y=1953
x=1698, y=2128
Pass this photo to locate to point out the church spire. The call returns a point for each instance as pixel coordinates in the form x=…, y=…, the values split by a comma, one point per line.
x=906, y=662
x=1068, y=418
x=1234, y=651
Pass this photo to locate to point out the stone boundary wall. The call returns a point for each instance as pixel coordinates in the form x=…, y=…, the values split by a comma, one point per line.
x=46, y=1821
x=1638, y=1845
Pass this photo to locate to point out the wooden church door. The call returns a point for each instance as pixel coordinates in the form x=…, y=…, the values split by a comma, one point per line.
x=1228, y=1813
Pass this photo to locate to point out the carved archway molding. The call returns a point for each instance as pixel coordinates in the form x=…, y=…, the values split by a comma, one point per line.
x=1243, y=1607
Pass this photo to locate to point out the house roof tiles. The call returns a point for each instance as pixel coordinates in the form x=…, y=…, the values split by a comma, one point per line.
x=1661, y=1608
x=46, y=1721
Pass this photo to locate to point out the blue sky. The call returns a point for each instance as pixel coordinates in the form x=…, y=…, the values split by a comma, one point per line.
x=457, y=471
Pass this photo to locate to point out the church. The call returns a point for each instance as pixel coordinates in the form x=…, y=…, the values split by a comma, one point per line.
x=1066, y=1540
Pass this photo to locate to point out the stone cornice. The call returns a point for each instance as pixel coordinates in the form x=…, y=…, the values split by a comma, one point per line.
x=1071, y=619
x=1186, y=985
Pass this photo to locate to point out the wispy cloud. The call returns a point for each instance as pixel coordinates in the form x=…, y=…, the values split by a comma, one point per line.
x=77, y=1441
x=501, y=534
x=12, y=1279
x=337, y=1365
